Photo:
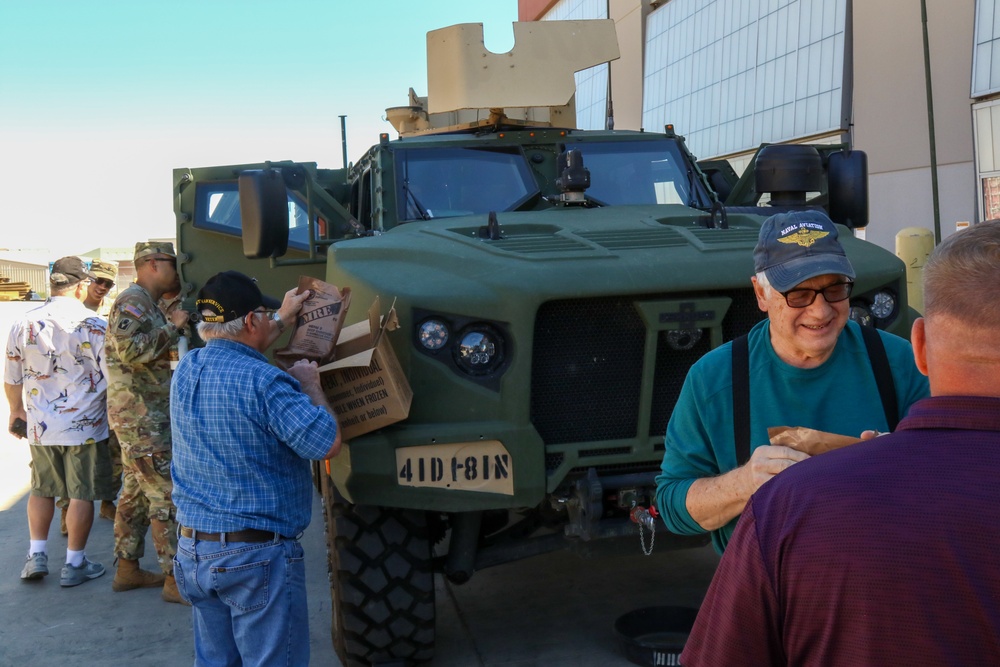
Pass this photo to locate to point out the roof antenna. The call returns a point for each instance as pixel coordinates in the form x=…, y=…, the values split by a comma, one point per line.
x=609, y=120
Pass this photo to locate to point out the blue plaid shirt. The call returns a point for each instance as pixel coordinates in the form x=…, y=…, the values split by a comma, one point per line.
x=243, y=435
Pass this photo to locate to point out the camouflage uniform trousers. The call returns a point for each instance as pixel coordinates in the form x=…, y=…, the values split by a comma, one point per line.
x=115, y=450
x=146, y=501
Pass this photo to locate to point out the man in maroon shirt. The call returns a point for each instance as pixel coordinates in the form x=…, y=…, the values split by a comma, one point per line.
x=886, y=552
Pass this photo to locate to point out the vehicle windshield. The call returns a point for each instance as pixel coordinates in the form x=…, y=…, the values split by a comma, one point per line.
x=449, y=182
x=641, y=172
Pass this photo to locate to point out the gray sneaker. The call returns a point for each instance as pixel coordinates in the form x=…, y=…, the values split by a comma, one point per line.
x=35, y=567
x=74, y=576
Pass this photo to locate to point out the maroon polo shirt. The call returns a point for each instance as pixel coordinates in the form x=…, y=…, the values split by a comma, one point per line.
x=886, y=552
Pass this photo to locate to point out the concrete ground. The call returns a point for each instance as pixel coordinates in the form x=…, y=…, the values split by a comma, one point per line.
x=556, y=610
x=43, y=624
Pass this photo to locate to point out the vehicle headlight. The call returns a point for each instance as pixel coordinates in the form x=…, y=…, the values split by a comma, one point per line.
x=433, y=334
x=883, y=305
x=479, y=351
x=861, y=315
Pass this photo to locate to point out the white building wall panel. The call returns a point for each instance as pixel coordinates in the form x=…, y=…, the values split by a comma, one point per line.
x=986, y=56
x=592, y=83
x=731, y=74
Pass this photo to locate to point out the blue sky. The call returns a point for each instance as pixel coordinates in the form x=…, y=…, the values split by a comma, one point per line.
x=101, y=99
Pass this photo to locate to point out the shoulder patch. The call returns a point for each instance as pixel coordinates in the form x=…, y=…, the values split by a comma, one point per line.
x=124, y=324
x=134, y=311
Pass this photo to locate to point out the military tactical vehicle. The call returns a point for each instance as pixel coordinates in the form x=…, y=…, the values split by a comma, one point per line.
x=552, y=285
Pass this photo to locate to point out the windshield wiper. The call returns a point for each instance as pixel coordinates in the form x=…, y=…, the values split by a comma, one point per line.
x=421, y=211
x=691, y=188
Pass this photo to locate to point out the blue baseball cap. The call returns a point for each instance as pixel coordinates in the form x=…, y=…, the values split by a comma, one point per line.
x=796, y=246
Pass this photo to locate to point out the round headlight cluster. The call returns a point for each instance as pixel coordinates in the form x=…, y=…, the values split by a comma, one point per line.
x=433, y=334
x=878, y=311
x=861, y=315
x=883, y=305
x=479, y=350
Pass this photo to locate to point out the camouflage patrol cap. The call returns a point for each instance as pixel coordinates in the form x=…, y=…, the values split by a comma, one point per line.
x=102, y=269
x=68, y=271
x=145, y=249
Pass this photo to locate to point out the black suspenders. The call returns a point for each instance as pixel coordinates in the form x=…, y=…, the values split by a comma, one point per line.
x=741, y=388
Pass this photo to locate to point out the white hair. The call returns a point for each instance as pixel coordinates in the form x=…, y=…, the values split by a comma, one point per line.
x=764, y=283
x=230, y=330
x=766, y=286
x=62, y=290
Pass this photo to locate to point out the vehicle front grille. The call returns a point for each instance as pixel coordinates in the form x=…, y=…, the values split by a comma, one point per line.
x=588, y=365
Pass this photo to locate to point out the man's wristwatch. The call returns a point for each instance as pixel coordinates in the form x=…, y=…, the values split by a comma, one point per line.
x=281, y=323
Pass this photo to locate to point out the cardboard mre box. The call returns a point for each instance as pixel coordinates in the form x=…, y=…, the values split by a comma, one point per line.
x=365, y=384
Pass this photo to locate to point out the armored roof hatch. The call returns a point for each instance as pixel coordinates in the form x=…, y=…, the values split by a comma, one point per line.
x=532, y=84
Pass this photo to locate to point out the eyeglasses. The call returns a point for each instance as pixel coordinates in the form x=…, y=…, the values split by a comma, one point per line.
x=104, y=282
x=267, y=313
x=802, y=297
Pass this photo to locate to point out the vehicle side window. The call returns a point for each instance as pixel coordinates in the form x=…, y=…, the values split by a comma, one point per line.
x=217, y=208
x=364, y=206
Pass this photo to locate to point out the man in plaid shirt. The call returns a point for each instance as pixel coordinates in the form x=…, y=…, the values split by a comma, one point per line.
x=244, y=432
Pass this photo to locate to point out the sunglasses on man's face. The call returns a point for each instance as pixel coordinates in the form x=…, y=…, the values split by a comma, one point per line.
x=803, y=297
x=105, y=283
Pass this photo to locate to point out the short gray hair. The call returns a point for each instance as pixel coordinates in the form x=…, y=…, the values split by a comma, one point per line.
x=959, y=270
x=230, y=330
x=60, y=290
x=764, y=283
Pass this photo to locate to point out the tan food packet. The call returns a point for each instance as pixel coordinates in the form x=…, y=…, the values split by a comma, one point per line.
x=318, y=324
x=808, y=440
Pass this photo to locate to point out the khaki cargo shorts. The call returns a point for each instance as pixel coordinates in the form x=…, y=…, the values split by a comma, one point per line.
x=81, y=472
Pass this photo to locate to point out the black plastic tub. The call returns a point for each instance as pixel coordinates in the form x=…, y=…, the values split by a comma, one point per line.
x=655, y=636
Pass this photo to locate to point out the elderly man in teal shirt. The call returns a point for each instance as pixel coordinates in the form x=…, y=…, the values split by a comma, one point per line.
x=808, y=366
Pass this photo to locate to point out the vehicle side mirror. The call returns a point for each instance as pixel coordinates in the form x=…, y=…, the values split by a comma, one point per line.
x=263, y=213
x=847, y=174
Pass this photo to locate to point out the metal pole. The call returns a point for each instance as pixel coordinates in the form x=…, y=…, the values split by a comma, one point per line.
x=609, y=114
x=930, y=125
x=343, y=138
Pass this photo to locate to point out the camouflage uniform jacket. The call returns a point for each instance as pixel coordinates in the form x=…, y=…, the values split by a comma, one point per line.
x=138, y=363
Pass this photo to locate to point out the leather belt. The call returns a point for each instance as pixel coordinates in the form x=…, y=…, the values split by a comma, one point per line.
x=247, y=535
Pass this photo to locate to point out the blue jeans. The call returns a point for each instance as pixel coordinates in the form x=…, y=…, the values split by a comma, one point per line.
x=248, y=599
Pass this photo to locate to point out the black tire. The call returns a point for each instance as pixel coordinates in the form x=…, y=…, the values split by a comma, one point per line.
x=381, y=582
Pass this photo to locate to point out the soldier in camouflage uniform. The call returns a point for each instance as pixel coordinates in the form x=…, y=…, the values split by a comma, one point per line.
x=101, y=294
x=137, y=352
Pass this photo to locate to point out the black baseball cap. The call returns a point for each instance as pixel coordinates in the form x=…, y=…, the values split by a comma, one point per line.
x=796, y=246
x=68, y=271
x=229, y=296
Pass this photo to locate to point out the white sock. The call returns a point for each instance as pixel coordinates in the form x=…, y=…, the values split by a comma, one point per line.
x=74, y=558
x=37, y=547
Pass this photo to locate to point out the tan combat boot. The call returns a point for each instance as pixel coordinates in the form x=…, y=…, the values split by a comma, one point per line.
x=170, y=592
x=63, y=530
x=129, y=576
x=108, y=510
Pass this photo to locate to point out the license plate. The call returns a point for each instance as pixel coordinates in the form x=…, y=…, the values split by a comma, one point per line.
x=483, y=466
